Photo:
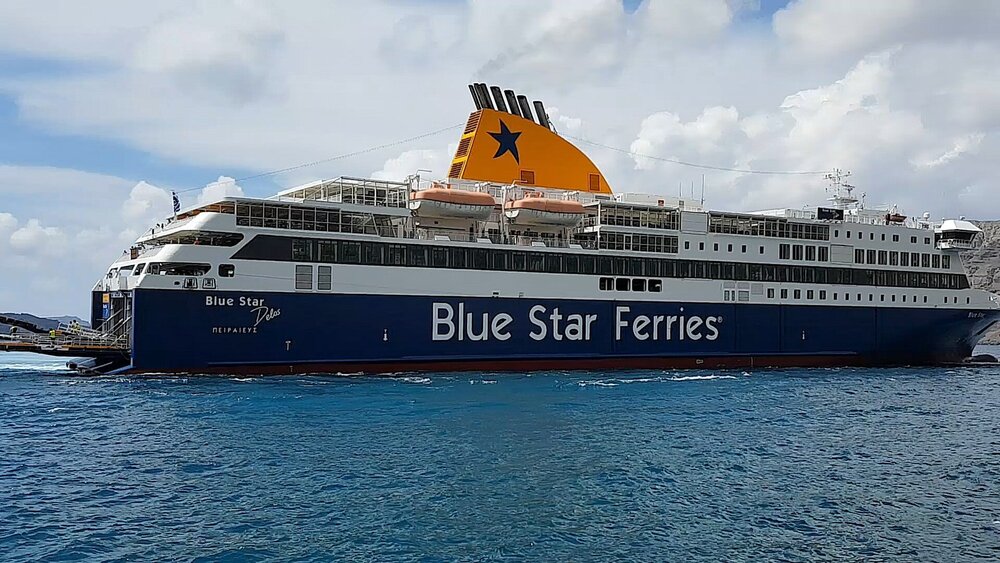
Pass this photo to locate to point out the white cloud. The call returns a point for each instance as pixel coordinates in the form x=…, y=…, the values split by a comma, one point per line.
x=834, y=27
x=673, y=22
x=962, y=145
x=146, y=202
x=219, y=189
x=409, y=162
x=903, y=92
x=35, y=240
x=219, y=49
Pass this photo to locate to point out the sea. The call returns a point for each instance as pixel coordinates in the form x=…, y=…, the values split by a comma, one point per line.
x=765, y=465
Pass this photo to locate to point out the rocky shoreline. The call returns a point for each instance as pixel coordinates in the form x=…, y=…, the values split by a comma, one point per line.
x=983, y=265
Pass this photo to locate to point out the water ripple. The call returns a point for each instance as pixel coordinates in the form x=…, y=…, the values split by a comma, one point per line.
x=773, y=465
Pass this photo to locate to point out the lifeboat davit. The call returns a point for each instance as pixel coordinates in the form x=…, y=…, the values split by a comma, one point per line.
x=446, y=203
x=534, y=209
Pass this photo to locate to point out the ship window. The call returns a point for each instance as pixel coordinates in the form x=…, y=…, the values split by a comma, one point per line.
x=895, y=238
x=656, y=286
x=824, y=254
x=607, y=284
x=208, y=283
x=811, y=253
x=179, y=269
x=925, y=299
x=822, y=294
x=883, y=237
x=810, y=294
x=327, y=250
x=785, y=251
x=227, y=270
x=770, y=293
x=350, y=252
x=848, y=234
x=904, y=258
x=797, y=252
x=138, y=269
x=715, y=247
x=302, y=250
x=190, y=283
x=324, y=278
x=946, y=262
x=439, y=257
x=936, y=261
x=859, y=256
x=915, y=259
x=730, y=248
x=797, y=294
x=927, y=240
x=893, y=297
x=784, y=294
x=925, y=260
x=872, y=236
x=638, y=284
x=893, y=258
x=687, y=245
x=528, y=177
x=836, y=233
x=744, y=249
x=701, y=246
x=621, y=284
x=303, y=277
x=883, y=257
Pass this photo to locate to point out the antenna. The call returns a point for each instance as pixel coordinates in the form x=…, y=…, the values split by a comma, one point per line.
x=703, y=190
x=843, y=193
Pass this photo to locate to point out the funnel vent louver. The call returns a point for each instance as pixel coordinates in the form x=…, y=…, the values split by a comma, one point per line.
x=473, y=122
x=463, y=147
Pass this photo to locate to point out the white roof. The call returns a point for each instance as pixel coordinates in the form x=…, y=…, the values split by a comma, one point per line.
x=959, y=225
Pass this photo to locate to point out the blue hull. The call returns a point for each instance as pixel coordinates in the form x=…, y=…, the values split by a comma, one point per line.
x=243, y=332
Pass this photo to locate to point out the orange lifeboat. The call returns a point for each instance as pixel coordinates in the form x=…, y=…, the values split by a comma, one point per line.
x=446, y=203
x=535, y=209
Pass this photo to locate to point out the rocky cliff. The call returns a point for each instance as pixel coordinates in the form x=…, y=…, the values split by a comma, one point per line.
x=983, y=265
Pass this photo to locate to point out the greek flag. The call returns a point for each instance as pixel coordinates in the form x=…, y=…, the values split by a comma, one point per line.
x=177, y=202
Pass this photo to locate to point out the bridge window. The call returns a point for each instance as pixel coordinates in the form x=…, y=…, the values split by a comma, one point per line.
x=178, y=269
x=227, y=270
x=200, y=238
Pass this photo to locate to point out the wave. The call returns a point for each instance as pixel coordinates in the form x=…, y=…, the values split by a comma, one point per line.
x=613, y=382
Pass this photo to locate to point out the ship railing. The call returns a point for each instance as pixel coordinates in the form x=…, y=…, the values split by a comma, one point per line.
x=69, y=337
x=356, y=191
x=504, y=240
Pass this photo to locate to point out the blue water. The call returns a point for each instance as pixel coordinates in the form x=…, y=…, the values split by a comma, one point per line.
x=789, y=465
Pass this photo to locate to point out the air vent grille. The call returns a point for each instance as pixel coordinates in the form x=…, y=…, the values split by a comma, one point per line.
x=473, y=122
x=463, y=147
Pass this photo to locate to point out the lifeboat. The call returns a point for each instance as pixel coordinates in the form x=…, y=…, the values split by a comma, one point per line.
x=534, y=209
x=445, y=203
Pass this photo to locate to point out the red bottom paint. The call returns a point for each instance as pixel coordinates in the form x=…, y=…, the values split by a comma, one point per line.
x=525, y=365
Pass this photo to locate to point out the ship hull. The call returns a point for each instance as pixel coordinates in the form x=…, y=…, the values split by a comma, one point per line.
x=282, y=333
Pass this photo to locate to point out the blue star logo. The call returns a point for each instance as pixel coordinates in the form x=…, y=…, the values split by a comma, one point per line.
x=508, y=142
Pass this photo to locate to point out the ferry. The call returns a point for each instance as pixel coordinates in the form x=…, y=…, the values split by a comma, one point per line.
x=524, y=258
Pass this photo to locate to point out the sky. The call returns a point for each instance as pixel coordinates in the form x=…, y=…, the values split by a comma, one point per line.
x=106, y=106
